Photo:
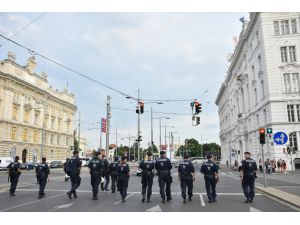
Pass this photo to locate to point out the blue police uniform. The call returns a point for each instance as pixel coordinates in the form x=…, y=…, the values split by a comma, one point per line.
x=42, y=171
x=185, y=170
x=95, y=166
x=123, y=178
x=147, y=167
x=210, y=169
x=105, y=174
x=249, y=168
x=14, y=174
x=163, y=167
x=74, y=166
x=114, y=175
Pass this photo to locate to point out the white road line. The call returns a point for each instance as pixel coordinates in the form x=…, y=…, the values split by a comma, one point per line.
x=118, y=202
x=254, y=209
x=202, y=200
x=28, y=203
x=132, y=192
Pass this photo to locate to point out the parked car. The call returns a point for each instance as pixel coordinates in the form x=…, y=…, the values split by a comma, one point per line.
x=56, y=164
x=4, y=162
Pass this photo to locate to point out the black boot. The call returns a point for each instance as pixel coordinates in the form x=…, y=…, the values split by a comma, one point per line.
x=143, y=199
x=184, y=200
x=69, y=193
x=75, y=194
x=148, y=199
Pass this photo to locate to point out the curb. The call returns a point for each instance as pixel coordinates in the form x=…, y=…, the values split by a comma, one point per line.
x=274, y=195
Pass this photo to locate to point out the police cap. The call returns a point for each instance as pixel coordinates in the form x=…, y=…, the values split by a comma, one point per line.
x=186, y=156
x=17, y=158
x=43, y=159
x=247, y=153
x=209, y=156
x=162, y=152
x=75, y=152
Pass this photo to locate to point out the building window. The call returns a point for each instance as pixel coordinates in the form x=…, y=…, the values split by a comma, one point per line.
x=291, y=115
x=58, y=137
x=51, y=139
x=13, y=134
x=59, y=124
x=262, y=89
x=292, y=53
x=287, y=82
x=298, y=112
x=285, y=27
x=25, y=134
x=36, y=118
x=295, y=82
x=293, y=140
x=259, y=62
x=52, y=122
x=284, y=56
x=15, y=112
x=46, y=122
x=255, y=93
x=294, y=26
x=276, y=27
x=257, y=120
x=35, y=136
x=265, y=116
x=67, y=141
x=26, y=116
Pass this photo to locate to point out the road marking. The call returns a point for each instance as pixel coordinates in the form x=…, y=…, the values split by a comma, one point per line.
x=133, y=192
x=63, y=206
x=28, y=203
x=154, y=209
x=202, y=200
x=118, y=202
x=254, y=209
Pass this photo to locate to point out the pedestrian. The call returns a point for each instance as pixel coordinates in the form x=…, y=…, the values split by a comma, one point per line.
x=114, y=174
x=95, y=166
x=14, y=174
x=279, y=162
x=67, y=177
x=227, y=163
x=105, y=173
x=273, y=166
x=186, y=176
x=163, y=167
x=73, y=168
x=283, y=166
x=248, y=175
x=211, y=176
x=123, y=177
x=147, y=167
x=260, y=166
x=42, y=172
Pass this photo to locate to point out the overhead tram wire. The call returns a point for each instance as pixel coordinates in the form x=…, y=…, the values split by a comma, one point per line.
x=170, y=113
x=21, y=30
x=32, y=52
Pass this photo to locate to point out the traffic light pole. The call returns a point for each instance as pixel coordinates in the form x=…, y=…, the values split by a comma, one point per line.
x=264, y=168
x=151, y=131
x=138, y=128
x=107, y=125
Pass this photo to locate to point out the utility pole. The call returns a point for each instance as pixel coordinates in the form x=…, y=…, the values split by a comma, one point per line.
x=129, y=148
x=43, y=130
x=166, y=135
x=201, y=148
x=138, y=128
x=160, y=134
x=79, y=132
x=107, y=125
x=151, y=131
x=116, y=141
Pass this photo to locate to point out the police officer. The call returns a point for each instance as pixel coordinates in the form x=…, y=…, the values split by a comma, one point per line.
x=163, y=166
x=123, y=177
x=95, y=166
x=248, y=175
x=42, y=171
x=14, y=173
x=147, y=167
x=186, y=176
x=114, y=174
x=211, y=177
x=105, y=173
x=74, y=166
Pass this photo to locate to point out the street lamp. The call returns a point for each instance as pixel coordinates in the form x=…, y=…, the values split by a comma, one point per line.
x=167, y=118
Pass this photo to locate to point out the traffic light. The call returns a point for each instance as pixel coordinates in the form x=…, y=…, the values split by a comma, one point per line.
x=137, y=110
x=262, y=136
x=139, y=139
x=197, y=107
x=142, y=107
x=198, y=120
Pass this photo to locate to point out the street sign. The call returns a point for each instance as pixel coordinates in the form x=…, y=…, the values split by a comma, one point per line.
x=280, y=138
x=269, y=130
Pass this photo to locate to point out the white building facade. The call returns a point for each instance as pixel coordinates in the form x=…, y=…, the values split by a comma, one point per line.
x=262, y=88
x=28, y=106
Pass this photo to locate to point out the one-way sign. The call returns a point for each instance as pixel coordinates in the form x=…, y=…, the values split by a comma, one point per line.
x=280, y=138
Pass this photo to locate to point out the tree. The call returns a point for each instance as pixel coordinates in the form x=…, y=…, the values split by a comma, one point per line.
x=212, y=148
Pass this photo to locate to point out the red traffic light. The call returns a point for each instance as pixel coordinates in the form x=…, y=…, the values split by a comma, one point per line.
x=262, y=130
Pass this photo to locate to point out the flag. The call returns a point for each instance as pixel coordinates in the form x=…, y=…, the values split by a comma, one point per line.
x=235, y=40
x=103, y=125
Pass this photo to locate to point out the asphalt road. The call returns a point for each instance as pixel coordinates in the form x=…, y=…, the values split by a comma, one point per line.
x=230, y=196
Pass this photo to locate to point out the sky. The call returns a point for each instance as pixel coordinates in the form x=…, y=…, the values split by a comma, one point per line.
x=165, y=55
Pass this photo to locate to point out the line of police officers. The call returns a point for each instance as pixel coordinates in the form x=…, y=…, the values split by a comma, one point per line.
x=120, y=173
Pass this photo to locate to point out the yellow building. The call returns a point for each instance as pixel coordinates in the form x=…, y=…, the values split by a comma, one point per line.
x=28, y=105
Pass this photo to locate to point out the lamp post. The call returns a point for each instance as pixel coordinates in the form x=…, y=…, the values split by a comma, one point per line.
x=159, y=118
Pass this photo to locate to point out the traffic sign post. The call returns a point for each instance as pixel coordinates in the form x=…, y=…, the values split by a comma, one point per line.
x=264, y=168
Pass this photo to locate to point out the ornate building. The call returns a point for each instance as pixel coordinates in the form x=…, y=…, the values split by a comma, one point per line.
x=262, y=87
x=27, y=107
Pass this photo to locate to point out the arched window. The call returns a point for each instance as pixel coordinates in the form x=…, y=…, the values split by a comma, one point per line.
x=293, y=140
